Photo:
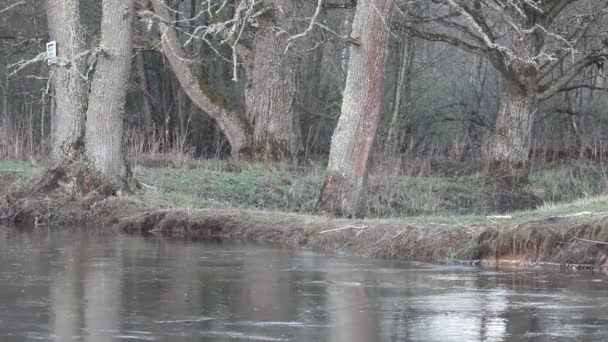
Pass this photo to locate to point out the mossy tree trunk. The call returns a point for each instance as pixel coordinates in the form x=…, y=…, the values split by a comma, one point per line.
x=509, y=144
x=344, y=191
x=271, y=87
x=233, y=126
x=270, y=128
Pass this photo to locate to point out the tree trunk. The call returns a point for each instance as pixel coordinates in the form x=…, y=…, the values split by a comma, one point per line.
x=270, y=96
x=68, y=78
x=402, y=90
x=344, y=191
x=105, y=114
x=87, y=154
x=509, y=145
x=234, y=127
x=143, y=89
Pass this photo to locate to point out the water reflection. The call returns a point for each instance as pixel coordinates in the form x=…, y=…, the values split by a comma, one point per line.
x=78, y=287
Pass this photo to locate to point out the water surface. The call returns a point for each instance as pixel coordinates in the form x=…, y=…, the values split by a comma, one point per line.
x=59, y=286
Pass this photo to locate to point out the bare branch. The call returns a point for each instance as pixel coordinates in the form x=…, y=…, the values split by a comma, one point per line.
x=10, y=7
x=313, y=20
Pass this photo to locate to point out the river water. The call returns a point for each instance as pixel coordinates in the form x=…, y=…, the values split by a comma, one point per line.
x=60, y=286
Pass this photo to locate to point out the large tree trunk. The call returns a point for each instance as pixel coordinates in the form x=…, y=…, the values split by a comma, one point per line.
x=68, y=79
x=234, y=127
x=87, y=150
x=87, y=155
x=271, y=91
x=509, y=145
x=105, y=114
x=344, y=191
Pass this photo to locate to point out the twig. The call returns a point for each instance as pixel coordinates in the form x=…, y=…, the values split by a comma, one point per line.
x=10, y=7
x=401, y=232
x=313, y=20
x=342, y=228
x=500, y=217
x=148, y=186
x=23, y=64
x=582, y=213
x=592, y=241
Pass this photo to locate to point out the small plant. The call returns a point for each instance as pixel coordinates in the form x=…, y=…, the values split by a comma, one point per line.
x=452, y=253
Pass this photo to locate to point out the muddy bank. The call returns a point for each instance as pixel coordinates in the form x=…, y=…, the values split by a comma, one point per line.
x=577, y=241
x=565, y=242
x=561, y=242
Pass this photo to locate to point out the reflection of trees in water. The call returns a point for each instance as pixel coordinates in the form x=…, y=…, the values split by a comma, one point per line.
x=268, y=290
x=352, y=310
x=85, y=293
x=99, y=288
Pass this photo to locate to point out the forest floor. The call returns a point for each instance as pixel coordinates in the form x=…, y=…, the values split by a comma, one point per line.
x=414, y=218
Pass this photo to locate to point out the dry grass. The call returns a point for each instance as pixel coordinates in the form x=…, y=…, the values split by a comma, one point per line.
x=373, y=238
x=561, y=241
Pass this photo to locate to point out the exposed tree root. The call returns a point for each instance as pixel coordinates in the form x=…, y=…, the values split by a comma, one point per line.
x=61, y=195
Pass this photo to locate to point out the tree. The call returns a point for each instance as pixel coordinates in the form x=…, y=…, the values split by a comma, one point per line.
x=270, y=127
x=87, y=148
x=525, y=41
x=344, y=190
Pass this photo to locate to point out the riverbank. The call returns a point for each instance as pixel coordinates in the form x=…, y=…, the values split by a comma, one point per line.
x=571, y=242
x=562, y=235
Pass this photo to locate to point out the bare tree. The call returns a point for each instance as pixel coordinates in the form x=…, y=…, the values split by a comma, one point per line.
x=525, y=40
x=344, y=191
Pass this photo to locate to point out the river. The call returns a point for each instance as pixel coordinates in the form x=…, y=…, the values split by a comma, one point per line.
x=69, y=286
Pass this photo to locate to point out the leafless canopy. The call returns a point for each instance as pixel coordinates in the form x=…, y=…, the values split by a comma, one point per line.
x=523, y=39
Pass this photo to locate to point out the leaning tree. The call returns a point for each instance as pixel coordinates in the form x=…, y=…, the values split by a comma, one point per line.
x=538, y=48
x=344, y=191
x=259, y=33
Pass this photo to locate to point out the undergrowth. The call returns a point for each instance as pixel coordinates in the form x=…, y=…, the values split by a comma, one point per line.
x=220, y=184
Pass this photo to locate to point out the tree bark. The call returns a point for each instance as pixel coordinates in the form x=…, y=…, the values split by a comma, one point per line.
x=68, y=77
x=271, y=92
x=509, y=145
x=87, y=148
x=105, y=114
x=344, y=191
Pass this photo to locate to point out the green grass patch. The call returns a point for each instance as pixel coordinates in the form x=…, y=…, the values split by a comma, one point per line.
x=15, y=174
x=443, y=200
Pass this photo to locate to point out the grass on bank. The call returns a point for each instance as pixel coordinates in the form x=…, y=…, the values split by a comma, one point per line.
x=450, y=200
x=14, y=174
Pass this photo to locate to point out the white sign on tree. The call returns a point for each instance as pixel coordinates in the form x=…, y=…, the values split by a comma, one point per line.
x=51, y=51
